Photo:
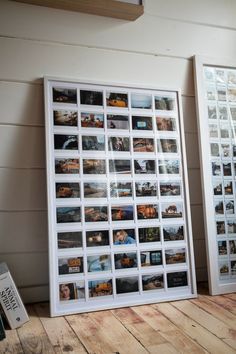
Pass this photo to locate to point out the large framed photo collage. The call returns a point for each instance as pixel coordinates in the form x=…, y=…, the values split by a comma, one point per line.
x=118, y=200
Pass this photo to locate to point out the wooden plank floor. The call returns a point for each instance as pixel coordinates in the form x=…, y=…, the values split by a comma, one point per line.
x=203, y=325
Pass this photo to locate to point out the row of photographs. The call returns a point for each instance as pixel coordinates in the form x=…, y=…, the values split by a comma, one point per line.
x=121, y=189
x=227, y=247
x=121, y=237
x=227, y=269
x=224, y=187
x=121, y=100
x=115, y=144
x=220, y=93
x=93, y=166
x=128, y=260
x=222, y=112
x=122, y=285
x=220, y=75
x=222, y=150
x=69, y=118
x=222, y=131
x=226, y=227
x=94, y=214
x=224, y=207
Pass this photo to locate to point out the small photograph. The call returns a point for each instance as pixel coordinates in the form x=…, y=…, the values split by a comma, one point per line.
x=68, y=214
x=151, y=258
x=143, y=145
x=144, y=166
x=68, y=291
x=166, y=124
x=231, y=226
x=217, y=187
x=229, y=207
x=221, y=93
x=232, y=246
x=127, y=285
x=164, y=103
x=220, y=227
x=213, y=131
x=65, y=118
x=124, y=237
x=118, y=143
x=220, y=76
x=64, y=95
x=223, y=269
x=67, y=166
x=234, y=148
x=141, y=101
x=215, y=149
x=223, y=112
x=233, y=267
x=169, y=167
x=116, y=99
x=115, y=121
x=228, y=187
x=167, y=146
x=67, y=190
x=92, y=120
x=141, y=123
x=232, y=94
x=100, y=287
x=216, y=168
x=96, y=213
x=94, y=167
x=211, y=110
x=91, y=143
x=224, y=132
x=149, y=234
x=120, y=166
x=99, y=263
x=94, y=98
x=97, y=238
x=222, y=248
x=209, y=73
x=70, y=265
x=225, y=150
x=219, y=207
x=173, y=233
x=177, y=279
x=121, y=189
x=153, y=281
x=211, y=92
x=65, y=142
x=175, y=256
x=233, y=112
x=146, y=189
x=171, y=210
x=170, y=188
x=232, y=77
x=125, y=260
x=95, y=190
x=122, y=212
x=227, y=170
x=69, y=239
x=147, y=211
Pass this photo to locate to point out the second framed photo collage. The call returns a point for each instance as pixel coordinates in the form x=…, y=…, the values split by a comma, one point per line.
x=119, y=215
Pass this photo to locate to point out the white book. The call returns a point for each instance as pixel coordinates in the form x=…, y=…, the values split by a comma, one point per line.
x=10, y=299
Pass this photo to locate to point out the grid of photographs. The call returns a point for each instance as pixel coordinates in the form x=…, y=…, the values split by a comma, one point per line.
x=220, y=94
x=121, y=229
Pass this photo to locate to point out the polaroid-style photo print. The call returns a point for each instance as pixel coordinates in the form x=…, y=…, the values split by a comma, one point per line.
x=220, y=76
x=115, y=121
x=124, y=237
x=221, y=93
x=68, y=291
x=127, y=285
x=64, y=95
x=143, y=144
x=232, y=94
x=166, y=124
x=99, y=263
x=70, y=265
x=91, y=98
x=177, y=279
x=222, y=248
x=149, y=234
x=151, y=258
x=92, y=120
x=146, y=189
x=215, y=149
x=164, y=103
x=169, y=167
x=144, y=166
x=232, y=77
x=96, y=213
x=213, y=131
x=233, y=268
x=227, y=170
x=95, y=190
x=231, y=227
x=93, y=143
x=100, y=287
x=122, y=212
x=68, y=214
x=228, y=187
x=224, y=131
x=211, y=92
x=234, y=147
x=94, y=167
x=118, y=143
x=219, y=207
x=119, y=166
x=96, y=238
x=71, y=239
x=67, y=166
x=121, y=189
x=65, y=118
x=117, y=99
x=173, y=233
x=125, y=260
x=67, y=190
x=171, y=210
x=217, y=187
x=225, y=150
x=153, y=282
x=229, y=207
x=170, y=188
x=141, y=101
x=141, y=123
x=232, y=246
x=233, y=112
x=175, y=256
x=147, y=211
x=222, y=112
x=216, y=168
x=223, y=269
x=66, y=142
x=211, y=110
x=168, y=146
x=209, y=73
x=220, y=227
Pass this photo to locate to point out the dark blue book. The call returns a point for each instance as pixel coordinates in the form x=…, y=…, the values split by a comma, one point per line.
x=2, y=330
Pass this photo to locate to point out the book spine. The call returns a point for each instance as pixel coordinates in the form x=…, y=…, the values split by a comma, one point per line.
x=2, y=329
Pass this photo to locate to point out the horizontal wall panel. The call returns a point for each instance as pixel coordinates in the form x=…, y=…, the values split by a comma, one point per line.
x=22, y=147
x=197, y=222
x=34, y=294
x=23, y=232
x=22, y=190
x=195, y=188
x=189, y=114
x=191, y=140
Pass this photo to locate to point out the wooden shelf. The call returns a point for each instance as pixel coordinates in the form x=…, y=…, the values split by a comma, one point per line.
x=108, y=8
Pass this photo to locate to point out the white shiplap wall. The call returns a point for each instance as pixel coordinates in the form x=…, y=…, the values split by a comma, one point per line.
x=35, y=41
